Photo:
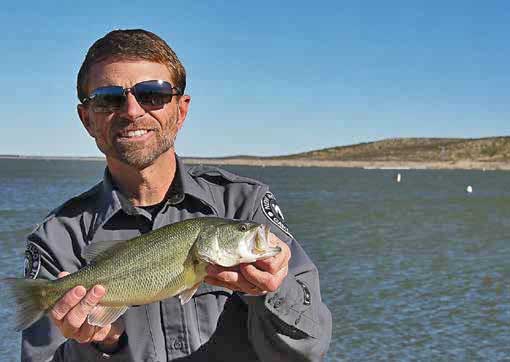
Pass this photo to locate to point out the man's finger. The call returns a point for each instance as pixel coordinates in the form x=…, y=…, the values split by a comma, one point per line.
x=213, y=269
x=85, y=334
x=273, y=240
x=274, y=264
x=76, y=316
x=100, y=334
x=240, y=284
x=225, y=276
x=69, y=301
x=214, y=281
x=111, y=333
x=279, y=261
x=62, y=274
x=263, y=280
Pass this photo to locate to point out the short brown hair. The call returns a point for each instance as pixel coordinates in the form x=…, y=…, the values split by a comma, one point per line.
x=131, y=44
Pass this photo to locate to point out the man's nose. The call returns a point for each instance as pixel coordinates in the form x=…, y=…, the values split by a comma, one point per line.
x=131, y=108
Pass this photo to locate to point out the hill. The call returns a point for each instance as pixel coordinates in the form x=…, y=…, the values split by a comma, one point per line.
x=493, y=149
x=460, y=153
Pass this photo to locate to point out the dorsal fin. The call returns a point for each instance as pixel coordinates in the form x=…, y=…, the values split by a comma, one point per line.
x=95, y=251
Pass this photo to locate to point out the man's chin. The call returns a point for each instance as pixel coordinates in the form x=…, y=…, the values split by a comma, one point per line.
x=137, y=156
x=138, y=160
x=141, y=159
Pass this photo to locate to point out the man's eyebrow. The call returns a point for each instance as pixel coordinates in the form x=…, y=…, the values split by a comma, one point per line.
x=105, y=81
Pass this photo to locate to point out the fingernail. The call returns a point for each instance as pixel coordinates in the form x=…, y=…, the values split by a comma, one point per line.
x=98, y=291
x=79, y=292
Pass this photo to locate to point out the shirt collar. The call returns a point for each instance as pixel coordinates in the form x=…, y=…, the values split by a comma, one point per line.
x=191, y=187
x=112, y=200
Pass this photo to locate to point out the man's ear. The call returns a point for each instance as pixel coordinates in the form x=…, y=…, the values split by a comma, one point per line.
x=183, y=104
x=85, y=119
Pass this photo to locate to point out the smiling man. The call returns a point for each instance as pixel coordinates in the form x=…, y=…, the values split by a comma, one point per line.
x=131, y=88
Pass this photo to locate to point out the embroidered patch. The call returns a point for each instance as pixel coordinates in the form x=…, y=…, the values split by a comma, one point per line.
x=274, y=213
x=32, y=261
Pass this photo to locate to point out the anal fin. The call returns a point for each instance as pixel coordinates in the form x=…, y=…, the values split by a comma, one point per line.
x=102, y=316
x=186, y=295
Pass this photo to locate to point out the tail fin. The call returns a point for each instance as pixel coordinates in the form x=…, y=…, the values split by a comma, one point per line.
x=29, y=298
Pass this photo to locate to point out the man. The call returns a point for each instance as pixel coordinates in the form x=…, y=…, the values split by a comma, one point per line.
x=131, y=87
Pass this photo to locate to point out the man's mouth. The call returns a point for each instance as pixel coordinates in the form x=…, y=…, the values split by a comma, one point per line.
x=134, y=133
x=138, y=133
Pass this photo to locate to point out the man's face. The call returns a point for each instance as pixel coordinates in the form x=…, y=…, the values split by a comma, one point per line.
x=135, y=135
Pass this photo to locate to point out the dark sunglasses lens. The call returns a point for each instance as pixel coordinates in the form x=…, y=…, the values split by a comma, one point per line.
x=108, y=99
x=153, y=92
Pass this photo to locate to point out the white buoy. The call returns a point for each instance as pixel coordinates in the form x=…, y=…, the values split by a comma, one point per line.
x=399, y=177
x=469, y=189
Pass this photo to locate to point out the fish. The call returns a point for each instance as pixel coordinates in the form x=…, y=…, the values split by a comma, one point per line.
x=163, y=263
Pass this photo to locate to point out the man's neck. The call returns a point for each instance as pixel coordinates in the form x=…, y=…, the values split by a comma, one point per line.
x=148, y=186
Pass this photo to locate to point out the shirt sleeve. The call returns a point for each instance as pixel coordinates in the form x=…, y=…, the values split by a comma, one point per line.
x=44, y=259
x=292, y=323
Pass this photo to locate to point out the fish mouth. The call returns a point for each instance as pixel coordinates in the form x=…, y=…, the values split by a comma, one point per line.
x=260, y=244
x=252, y=246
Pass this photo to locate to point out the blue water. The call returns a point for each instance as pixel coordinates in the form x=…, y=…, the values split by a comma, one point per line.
x=417, y=270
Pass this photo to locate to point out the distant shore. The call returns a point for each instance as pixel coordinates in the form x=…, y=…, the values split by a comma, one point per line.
x=70, y=158
x=460, y=165
x=262, y=162
x=488, y=153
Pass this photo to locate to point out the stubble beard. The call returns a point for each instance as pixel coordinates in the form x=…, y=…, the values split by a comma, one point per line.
x=141, y=156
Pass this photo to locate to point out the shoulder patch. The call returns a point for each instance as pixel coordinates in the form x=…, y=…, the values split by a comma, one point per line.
x=274, y=213
x=32, y=261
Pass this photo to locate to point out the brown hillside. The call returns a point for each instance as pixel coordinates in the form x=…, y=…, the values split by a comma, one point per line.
x=493, y=149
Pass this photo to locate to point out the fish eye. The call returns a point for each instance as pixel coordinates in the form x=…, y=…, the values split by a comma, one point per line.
x=243, y=227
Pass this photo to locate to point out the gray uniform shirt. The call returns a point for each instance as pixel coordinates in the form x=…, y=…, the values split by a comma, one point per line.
x=291, y=324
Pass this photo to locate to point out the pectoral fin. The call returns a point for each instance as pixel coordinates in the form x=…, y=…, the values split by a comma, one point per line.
x=102, y=316
x=186, y=295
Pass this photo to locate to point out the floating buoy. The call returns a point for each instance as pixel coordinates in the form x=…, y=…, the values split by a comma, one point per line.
x=399, y=177
x=469, y=189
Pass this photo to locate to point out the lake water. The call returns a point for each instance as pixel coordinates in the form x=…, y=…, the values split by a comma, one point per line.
x=416, y=270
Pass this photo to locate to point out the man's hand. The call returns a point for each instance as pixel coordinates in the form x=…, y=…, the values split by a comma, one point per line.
x=70, y=316
x=257, y=278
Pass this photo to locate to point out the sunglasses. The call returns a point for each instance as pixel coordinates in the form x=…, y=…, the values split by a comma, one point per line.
x=150, y=93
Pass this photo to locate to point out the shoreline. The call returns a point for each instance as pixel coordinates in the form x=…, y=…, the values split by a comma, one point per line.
x=48, y=158
x=392, y=165
x=261, y=162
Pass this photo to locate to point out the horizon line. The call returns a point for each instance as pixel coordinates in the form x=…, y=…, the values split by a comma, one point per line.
x=102, y=157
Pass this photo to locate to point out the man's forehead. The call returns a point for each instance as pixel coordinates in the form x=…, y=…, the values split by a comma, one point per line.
x=126, y=72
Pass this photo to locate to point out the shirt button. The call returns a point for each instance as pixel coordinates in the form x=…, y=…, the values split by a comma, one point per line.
x=307, y=299
x=178, y=344
x=176, y=198
x=277, y=303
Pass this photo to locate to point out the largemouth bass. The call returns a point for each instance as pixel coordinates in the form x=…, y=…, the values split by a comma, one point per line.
x=166, y=262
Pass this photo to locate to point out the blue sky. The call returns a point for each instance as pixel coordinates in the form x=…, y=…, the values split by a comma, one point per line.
x=271, y=77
